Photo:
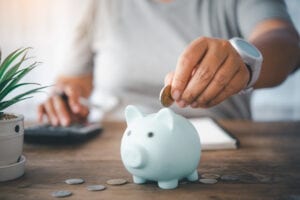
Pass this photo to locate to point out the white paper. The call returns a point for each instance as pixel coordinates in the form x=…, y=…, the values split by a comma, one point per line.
x=212, y=136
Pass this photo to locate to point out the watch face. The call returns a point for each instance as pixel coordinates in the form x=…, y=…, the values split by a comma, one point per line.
x=248, y=48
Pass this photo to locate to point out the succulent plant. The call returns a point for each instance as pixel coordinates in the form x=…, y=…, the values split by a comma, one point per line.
x=11, y=73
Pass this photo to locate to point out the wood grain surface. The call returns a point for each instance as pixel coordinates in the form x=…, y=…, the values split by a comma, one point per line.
x=267, y=164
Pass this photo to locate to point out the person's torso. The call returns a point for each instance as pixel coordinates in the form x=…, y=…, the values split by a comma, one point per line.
x=144, y=38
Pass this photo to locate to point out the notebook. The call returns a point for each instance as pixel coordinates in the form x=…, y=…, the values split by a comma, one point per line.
x=212, y=135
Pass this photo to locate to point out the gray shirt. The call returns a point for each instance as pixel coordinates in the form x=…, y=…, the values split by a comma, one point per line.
x=132, y=44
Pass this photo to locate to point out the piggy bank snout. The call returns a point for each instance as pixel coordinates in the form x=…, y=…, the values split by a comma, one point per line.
x=134, y=156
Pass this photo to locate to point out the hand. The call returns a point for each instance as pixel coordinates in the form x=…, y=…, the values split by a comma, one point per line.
x=208, y=71
x=63, y=110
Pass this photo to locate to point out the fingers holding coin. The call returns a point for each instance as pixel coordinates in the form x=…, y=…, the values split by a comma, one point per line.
x=228, y=80
x=208, y=72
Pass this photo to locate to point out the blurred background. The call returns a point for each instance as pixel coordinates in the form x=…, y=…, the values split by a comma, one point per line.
x=46, y=25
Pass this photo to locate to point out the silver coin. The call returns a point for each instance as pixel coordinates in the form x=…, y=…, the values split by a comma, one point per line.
x=61, y=193
x=74, y=181
x=208, y=180
x=210, y=176
x=96, y=187
x=230, y=178
x=118, y=181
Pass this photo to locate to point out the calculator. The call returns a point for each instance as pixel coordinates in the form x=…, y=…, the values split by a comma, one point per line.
x=74, y=133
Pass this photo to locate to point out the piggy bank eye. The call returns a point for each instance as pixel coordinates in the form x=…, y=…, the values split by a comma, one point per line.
x=128, y=133
x=150, y=134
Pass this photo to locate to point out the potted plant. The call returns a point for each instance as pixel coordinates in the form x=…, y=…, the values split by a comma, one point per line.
x=12, y=69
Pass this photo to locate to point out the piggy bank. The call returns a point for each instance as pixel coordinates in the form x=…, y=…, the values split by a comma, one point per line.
x=163, y=147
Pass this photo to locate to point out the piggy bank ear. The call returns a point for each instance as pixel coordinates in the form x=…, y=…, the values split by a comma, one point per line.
x=132, y=113
x=166, y=116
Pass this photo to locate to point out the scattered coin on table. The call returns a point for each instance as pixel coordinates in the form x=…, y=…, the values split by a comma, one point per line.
x=208, y=180
x=230, y=178
x=210, y=176
x=61, y=193
x=74, y=181
x=165, y=96
x=96, y=187
x=118, y=181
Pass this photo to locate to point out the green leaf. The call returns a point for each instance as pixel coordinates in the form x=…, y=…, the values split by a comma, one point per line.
x=10, y=73
x=10, y=89
x=20, y=97
x=6, y=60
x=3, y=84
x=9, y=59
x=5, y=104
x=16, y=79
x=32, y=91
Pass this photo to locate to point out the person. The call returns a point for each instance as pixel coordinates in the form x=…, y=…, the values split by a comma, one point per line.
x=131, y=48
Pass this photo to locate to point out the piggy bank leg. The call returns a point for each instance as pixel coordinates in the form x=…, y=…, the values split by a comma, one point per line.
x=168, y=184
x=193, y=176
x=138, y=180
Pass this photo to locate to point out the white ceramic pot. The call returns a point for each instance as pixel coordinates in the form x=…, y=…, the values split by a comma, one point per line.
x=13, y=171
x=12, y=126
x=11, y=140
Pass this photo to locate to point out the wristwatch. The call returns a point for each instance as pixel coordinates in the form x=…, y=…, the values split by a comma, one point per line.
x=251, y=57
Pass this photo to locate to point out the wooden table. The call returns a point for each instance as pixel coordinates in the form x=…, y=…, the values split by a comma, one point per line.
x=267, y=163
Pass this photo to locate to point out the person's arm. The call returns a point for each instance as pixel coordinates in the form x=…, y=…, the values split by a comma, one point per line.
x=84, y=83
x=63, y=106
x=278, y=42
x=210, y=70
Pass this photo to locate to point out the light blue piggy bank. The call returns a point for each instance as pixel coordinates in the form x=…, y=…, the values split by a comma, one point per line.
x=163, y=147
